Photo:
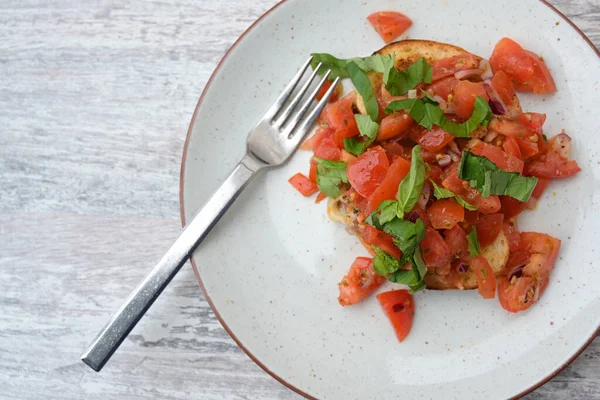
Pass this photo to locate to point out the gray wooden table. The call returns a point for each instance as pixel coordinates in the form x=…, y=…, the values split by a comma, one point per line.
x=95, y=100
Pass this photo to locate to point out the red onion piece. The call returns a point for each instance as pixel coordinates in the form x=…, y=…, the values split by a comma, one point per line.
x=445, y=160
x=491, y=135
x=487, y=73
x=413, y=217
x=424, y=196
x=462, y=267
x=516, y=272
x=454, y=147
x=496, y=104
x=467, y=73
x=561, y=144
x=453, y=156
x=443, y=103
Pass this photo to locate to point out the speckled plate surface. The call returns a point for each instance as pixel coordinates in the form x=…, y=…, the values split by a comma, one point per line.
x=270, y=268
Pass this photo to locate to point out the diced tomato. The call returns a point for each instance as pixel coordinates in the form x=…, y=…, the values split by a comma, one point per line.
x=382, y=240
x=488, y=205
x=449, y=66
x=465, y=94
x=313, y=142
x=320, y=198
x=488, y=228
x=328, y=148
x=538, y=191
x=400, y=309
x=303, y=184
x=360, y=282
x=533, y=121
x=495, y=154
x=435, y=250
x=421, y=214
x=457, y=242
x=553, y=166
x=337, y=92
x=512, y=207
x=388, y=188
x=339, y=115
x=435, y=139
x=347, y=157
x=445, y=214
x=443, y=87
x=394, y=125
x=511, y=231
x=516, y=260
x=511, y=146
x=528, y=149
x=471, y=217
x=528, y=72
x=543, y=250
x=509, y=57
x=503, y=85
x=434, y=173
x=541, y=82
x=393, y=150
x=368, y=171
x=312, y=175
x=521, y=294
x=389, y=24
x=486, y=279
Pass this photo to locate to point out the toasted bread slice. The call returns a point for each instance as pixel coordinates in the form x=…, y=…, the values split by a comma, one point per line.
x=406, y=53
x=496, y=254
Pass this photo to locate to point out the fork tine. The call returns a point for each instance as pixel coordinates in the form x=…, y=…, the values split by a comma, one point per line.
x=289, y=128
x=287, y=91
x=281, y=120
x=302, y=130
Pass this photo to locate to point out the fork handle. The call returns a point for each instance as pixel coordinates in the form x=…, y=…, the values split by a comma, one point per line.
x=140, y=300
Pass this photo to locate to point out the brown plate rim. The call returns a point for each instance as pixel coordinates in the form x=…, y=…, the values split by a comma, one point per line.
x=197, y=273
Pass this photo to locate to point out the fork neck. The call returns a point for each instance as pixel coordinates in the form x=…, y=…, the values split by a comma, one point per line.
x=252, y=162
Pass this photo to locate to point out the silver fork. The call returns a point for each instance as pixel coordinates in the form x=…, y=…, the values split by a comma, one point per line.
x=272, y=141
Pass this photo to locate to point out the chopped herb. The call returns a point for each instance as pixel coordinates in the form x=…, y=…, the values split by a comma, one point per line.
x=474, y=247
x=443, y=193
x=427, y=115
x=330, y=174
x=411, y=186
x=400, y=82
x=368, y=129
x=363, y=86
x=490, y=180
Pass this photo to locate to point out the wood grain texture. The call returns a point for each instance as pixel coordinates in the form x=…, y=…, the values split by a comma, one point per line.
x=95, y=100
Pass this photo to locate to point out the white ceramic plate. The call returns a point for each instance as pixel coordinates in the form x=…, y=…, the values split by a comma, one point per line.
x=270, y=268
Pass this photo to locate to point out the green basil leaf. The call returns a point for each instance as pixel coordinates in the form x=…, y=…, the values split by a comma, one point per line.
x=490, y=180
x=419, y=263
x=339, y=67
x=400, y=82
x=418, y=287
x=389, y=211
x=482, y=115
x=429, y=98
x=357, y=147
x=443, y=193
x=427, y=115
x=330, y=174
x=411, y=186
x=509, y=184
x=474, y=247
x=404, y=277
x=366, y=126
x=361, y=81
x=384, y=264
